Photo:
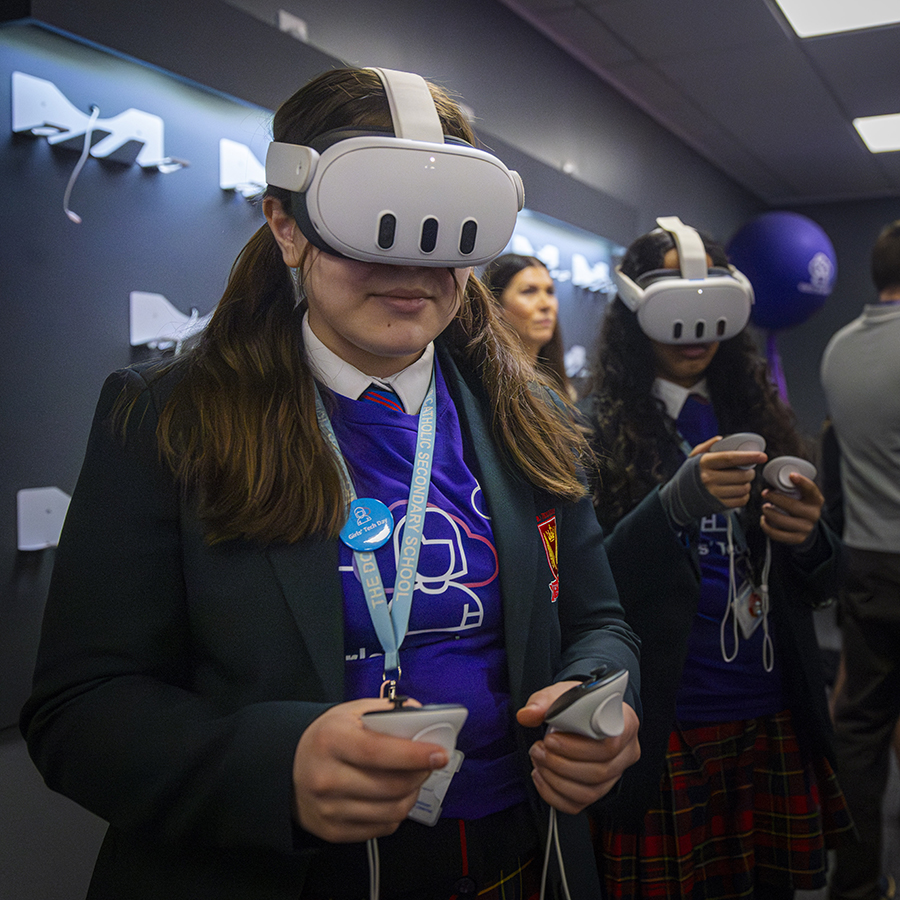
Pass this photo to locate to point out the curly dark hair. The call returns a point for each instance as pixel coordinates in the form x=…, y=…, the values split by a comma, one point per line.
x=633, y=439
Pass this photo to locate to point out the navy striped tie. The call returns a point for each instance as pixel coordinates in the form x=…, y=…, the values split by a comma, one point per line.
x=376, y=393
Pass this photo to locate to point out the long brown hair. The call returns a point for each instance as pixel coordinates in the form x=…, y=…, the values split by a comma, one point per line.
x=239, y=430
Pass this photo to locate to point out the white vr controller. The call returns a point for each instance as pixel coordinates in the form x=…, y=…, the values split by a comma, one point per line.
x=745, y=441
x=777, y=472
x=437, y=723
x=593, y=709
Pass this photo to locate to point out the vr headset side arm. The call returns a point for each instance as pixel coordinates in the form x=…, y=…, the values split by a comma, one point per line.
x=290, y=166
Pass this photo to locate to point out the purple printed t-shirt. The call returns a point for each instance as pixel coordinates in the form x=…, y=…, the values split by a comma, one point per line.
x=453, y=651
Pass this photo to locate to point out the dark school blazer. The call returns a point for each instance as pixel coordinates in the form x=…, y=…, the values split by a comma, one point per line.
x=174, y=679
x=657, y=572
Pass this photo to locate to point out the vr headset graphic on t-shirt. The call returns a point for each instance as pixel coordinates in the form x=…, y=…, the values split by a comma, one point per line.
x=414, y=197
x=694, y=305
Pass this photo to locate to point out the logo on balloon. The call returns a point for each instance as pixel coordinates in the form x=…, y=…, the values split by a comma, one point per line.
x=821, y=276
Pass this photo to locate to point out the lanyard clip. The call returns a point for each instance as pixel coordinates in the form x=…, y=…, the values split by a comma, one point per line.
x=389, y=685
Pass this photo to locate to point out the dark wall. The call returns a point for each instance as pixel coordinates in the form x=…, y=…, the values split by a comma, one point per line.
x=65, y=286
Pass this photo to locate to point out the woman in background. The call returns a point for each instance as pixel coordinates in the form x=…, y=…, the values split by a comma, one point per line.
x=526, y=295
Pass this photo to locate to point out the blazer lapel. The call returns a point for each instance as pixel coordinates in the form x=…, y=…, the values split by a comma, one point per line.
x=308, y=575
x=510, y=500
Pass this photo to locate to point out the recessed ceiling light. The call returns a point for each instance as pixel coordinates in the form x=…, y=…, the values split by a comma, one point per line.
x=880, y=133
x=814, y=17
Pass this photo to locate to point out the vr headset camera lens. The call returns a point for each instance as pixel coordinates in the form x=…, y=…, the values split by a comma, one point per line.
x=387, y=228
x=467, y=237
x=428, y=239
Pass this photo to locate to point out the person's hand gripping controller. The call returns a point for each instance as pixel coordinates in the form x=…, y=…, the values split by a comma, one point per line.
x=572, y=771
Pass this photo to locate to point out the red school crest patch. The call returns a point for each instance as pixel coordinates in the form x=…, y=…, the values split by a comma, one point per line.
x=546, y=523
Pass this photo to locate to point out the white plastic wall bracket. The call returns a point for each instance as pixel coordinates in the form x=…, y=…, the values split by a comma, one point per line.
x=240, y=170
x=40, y=107
x=41, y=513
x=155, y=323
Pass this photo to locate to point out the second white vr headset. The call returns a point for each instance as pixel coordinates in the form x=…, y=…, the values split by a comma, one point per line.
x=409, y=198
x=695, y=305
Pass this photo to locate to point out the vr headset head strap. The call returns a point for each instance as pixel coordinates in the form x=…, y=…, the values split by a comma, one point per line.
x=412, y=108
x=691, y=252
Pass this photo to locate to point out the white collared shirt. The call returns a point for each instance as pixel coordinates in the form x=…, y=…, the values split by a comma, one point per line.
x=409, y=384
x=674, y=395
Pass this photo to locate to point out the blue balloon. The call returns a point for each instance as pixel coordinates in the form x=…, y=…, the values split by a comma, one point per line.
x=791, y=264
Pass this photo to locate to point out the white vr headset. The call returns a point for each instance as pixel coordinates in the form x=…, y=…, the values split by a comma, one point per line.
x=696, y=305
x=412, y=198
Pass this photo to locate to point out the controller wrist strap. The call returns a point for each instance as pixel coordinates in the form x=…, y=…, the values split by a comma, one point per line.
x=731, y=600
x=768, y=647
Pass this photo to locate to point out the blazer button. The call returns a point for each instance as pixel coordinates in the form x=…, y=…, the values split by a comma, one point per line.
x=466, y=886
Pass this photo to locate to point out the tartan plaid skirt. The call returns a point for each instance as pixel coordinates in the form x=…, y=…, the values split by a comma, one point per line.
x=738, y=805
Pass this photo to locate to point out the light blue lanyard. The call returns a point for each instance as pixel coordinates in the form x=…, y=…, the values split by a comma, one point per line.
x=391, y=620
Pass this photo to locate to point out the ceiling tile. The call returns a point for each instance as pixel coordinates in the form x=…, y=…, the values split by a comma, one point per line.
x=656, y=29
x=585, y=37
x=861, y=68
x=697, y=128
x=732, y=80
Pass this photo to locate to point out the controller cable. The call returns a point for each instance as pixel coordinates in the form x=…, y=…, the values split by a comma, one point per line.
x=553, y=838
x=88, y=133
x=374, y=868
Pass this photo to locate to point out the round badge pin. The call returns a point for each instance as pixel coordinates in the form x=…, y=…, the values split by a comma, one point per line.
x=369, y=525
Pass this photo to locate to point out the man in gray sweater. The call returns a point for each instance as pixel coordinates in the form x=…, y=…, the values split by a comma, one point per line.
x=861, y=378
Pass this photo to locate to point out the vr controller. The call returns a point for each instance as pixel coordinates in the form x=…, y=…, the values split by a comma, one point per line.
x=414, y=197
x=740, y=440
x=437, y=723
x=778, y=473
x=593, y=709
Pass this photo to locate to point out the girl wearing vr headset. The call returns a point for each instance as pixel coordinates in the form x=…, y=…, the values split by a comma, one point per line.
x=211, y=641
x=734, y=794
